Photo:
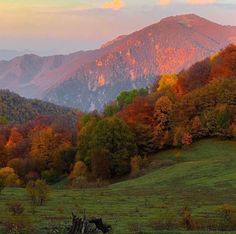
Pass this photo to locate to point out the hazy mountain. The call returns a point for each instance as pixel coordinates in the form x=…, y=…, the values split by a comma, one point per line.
x=90, y=79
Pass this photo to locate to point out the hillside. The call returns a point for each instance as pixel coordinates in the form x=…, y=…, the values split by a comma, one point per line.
x=19, y=110
x=90, y=79
x=201, y=177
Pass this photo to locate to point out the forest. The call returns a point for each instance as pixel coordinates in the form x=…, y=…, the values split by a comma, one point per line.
x=100, y=148
x=196, y=103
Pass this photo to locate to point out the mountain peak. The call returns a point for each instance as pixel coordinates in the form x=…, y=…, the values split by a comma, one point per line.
x=90, y=79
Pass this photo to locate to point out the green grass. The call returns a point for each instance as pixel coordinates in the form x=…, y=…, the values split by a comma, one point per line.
x=202, y=178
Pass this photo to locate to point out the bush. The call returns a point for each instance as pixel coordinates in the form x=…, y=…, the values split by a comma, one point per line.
x=17, y=225
x=38, y=191
x=16, y=208
x=50, y=176
x=187, y=219
x=227, y=214
x=7, y=174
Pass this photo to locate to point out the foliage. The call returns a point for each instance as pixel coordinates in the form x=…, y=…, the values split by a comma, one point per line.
x=16, y=208
x=3, y=120
x=8, y=176
x=27, y=109
x=227, y=213
x=18, y=225
x=127, y=97
x=38, y=191
x=100, y=164
x=110, y=134
x=79, y=170
x=2, y=185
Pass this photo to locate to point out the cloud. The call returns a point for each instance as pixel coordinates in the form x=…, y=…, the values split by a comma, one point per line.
x=164, y=2
x=114, y=5
x=197, y=2
x=194, y=2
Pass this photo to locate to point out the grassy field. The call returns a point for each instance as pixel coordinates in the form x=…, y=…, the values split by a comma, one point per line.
x=202, y=177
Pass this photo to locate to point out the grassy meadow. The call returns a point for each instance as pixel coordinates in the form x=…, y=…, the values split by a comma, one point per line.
x=201, y=177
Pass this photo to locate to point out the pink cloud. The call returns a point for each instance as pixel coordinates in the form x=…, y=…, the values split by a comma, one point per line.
x=164, y=2
x=201, y=1
x=114, y=4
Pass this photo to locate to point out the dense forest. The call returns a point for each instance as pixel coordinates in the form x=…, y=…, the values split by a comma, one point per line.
x=196, y=103
x=17, y=109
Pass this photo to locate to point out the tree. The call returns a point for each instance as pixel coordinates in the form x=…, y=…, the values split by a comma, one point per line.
x=196, y=127
x=136, y=164
x=162, y=116
x=167, y=82
x=78, y=175
x=3, y=121
x=64, y=159
x=111, y=109
x=114, y=135
x=38, y=191
x=79, y=170
x=45, y=143
x=2, y=185
x=9, y=177
x=186, y=139
x=100, y=164
x=19, y=166
x=126, y=97
x=111, y=134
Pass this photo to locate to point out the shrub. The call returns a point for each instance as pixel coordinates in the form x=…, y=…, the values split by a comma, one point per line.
x=227, y=215
x=187, y=219
x=16, y=208
x=7, y=174
x=18, y=225
x=136, y=164
x=38, y=191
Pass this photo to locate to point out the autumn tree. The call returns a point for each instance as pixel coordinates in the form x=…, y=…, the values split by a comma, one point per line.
x=45, y=143
x=38, y=191
x=136, y=164
x=9, y=177
x=78, y=176
x=162, y=116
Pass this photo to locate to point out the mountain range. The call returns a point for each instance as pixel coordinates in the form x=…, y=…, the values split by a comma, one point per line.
x=89, y=79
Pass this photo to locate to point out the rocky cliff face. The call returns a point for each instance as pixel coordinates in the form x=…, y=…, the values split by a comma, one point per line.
x=90, y=79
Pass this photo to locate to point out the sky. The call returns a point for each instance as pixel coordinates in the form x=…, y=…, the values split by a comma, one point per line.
x=64, y=26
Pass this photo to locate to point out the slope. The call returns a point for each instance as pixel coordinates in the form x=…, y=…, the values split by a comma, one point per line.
x=19, y=110
x=201, y=177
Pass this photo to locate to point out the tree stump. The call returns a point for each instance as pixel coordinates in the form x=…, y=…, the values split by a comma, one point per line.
x=86, y=226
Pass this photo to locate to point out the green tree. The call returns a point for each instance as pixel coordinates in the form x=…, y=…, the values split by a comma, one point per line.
x=127, y=97
x=3, y=120
x=113, y=135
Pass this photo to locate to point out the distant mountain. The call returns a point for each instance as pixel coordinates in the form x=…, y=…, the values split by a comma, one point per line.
x=18, y=109
x=11, y=54
x=90, y=79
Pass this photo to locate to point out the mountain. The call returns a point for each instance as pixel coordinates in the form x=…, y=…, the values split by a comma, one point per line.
x=90, y=79
x=18, y=109
x=9, y=54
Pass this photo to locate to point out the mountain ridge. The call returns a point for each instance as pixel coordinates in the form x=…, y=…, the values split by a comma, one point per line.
x=131, y=61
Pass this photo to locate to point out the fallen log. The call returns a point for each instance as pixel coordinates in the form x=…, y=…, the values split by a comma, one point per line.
x=86, y=226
